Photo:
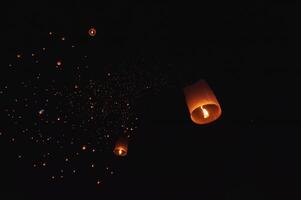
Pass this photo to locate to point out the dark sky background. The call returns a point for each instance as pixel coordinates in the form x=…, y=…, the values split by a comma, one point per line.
x=246, y=51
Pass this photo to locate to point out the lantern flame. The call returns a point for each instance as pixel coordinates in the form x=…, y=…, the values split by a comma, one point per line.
x=205, y=113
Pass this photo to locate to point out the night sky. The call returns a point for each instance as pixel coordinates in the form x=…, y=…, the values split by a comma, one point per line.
x=67, y=96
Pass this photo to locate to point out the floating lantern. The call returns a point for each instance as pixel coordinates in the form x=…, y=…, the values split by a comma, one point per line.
x=202, y=103
x=92, y=32
x=59, y=63
x=121, y=147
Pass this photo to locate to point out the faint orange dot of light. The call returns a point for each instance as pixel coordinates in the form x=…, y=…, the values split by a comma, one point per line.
x=92, y=32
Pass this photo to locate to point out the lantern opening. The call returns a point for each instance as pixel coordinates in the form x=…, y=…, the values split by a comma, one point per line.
x=205, y=113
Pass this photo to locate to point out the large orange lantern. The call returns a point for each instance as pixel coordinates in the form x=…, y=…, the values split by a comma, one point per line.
x=121, y=147
x=202, y=103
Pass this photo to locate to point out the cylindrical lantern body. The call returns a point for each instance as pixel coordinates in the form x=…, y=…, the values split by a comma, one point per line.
x=121, y=147
x=202, y=103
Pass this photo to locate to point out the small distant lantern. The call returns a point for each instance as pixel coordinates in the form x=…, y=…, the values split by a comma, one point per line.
x=92, y=32
x=121, y=147
x=202, y=103
x=59, y=63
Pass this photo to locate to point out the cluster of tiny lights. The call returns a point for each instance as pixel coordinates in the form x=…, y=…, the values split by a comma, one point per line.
x=73, y=118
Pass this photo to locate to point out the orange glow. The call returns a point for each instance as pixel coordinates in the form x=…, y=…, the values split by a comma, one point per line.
x=202, y=103
x=121, y=147
x=92, y=32
x=58, y=63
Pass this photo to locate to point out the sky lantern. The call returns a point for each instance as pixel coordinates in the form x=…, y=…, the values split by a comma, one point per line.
x=121, y=147
x=58, y=63
x=202, y=103
x=92, y=32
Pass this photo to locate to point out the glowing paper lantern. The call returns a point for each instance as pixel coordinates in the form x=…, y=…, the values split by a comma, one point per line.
x=59, y=63
x=202, y=103
x=92, y=32
x=121, y=147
